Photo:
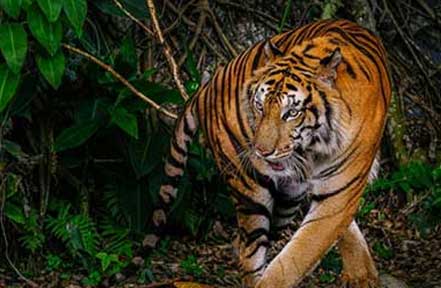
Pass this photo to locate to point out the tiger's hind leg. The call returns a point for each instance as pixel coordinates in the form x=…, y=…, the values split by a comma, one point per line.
x=358, y=267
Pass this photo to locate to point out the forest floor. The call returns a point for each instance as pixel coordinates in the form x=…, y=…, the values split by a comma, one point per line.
x=398, y=251
x=409, y=257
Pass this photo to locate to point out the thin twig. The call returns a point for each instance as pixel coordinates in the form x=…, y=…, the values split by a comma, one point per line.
x=247, y=8
x=197, y=33
x=408, y=43
x=133, y=18
x=166, y=49
x=175, y=9
x=180, y=13
x=220, y=32
x=120, y=78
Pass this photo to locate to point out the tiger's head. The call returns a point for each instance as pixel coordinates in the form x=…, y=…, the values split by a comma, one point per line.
x=294, y=109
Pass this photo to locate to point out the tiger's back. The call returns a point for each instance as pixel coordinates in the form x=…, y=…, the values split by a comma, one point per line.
x=301, y=113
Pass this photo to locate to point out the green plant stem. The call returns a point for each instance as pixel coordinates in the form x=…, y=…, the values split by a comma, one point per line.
x=285, y=15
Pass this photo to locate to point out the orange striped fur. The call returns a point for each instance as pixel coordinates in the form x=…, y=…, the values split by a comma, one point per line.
x=299, y=114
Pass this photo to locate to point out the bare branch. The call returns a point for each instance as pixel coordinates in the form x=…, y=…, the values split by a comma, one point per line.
x=133, y=18
x=166, y=49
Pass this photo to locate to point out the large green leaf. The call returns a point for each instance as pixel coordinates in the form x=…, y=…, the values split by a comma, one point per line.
x=14, y=45
x=126, y=121
x=145, y=154
x=76, y=11
x=25, y=3
x=51, y=8
x=13, y=148
x=47, y=34
x=11, y=7
x=8, y=85
x=52, y=68
x=14, y=213
x=75, y=136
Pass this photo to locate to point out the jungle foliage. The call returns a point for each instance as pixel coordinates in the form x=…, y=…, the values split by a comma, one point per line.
x=81, y=156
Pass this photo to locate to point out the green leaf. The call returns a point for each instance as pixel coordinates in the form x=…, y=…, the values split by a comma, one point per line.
x=14, y=45
x=145, y=154
x=126, y=121
x=76, y=11
x=14, y=213
x=13, y=148
x=75, y=136
x=8, y=85
x=26, y=3
x=107, y=259
x=51, y=8
x=191, y=66
x=52, y=68
x=11, y=7
x=47, y=34
x=12, y=184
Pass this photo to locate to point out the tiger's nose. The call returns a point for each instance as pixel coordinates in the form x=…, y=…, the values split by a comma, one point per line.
x=263, y=152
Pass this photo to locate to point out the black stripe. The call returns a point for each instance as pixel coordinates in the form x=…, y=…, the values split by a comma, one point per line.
x=240, y=121
x=226, y=98
x=284, y=38
x=256, y=59
x=175, y=163
x=254, y=235
x=366, y=73
x=349, y=69
x=295, y=35
x=300, y=60
x=321, y=197
x=256, y=209
x=246, y=273
x=331, y=170
x=263, y=243
x=328, y=109
x=311, y=56
x=308, y=47
x=177, y=148
x=303, y=69
x=220, y=115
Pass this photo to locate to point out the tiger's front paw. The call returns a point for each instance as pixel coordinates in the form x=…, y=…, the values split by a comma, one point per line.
x=361, y=282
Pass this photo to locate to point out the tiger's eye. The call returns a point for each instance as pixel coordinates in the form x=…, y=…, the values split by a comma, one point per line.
x=291, y=114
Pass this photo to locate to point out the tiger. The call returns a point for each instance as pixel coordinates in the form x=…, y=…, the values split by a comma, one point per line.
x=298, y=115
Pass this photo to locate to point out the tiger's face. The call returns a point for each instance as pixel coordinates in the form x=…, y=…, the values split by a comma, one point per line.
x=292, y=113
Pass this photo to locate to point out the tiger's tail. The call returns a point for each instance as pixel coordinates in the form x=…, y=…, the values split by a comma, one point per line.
x=184, y=132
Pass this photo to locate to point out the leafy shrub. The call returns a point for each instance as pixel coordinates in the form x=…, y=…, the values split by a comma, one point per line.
x=80, y=156
x=420, y=184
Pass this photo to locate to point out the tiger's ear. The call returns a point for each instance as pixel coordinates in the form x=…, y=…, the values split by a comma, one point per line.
x=271, y=51
x=327, y=72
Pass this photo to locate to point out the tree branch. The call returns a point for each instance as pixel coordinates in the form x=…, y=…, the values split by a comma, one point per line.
x=166, y=49
x=120, y=78
x=133, y=18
